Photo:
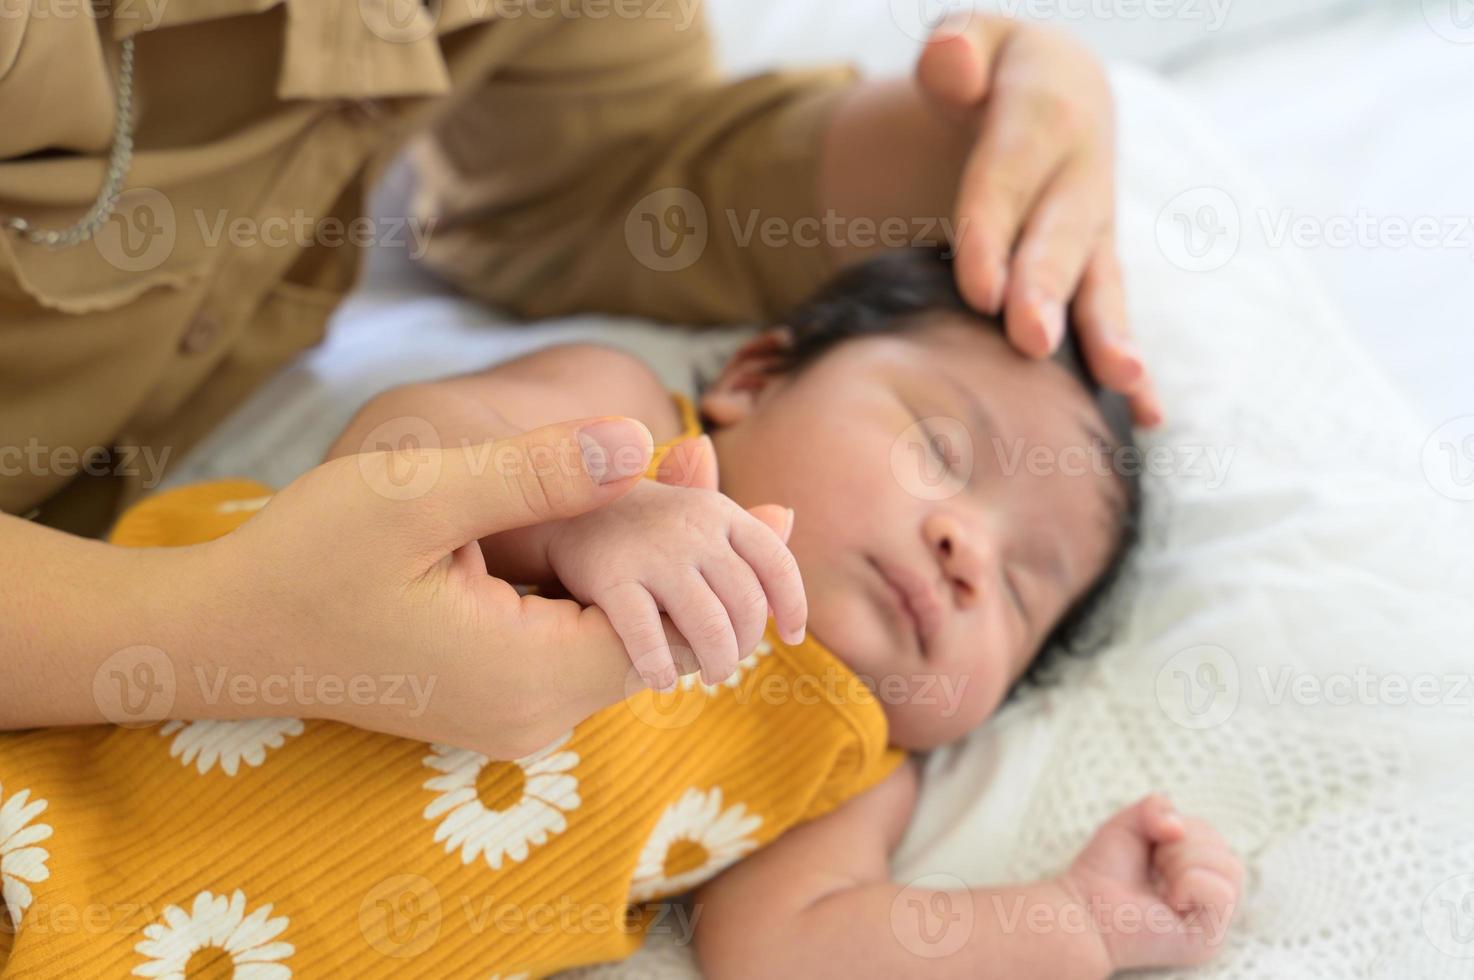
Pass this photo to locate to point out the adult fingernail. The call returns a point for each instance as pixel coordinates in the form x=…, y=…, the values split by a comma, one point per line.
x=1051, y=316
x=788, y=527
x=615, y=449
x=794, y=637
x=1132, y=366
x=999, y=290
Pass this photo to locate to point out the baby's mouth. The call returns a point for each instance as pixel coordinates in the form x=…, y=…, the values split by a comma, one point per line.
x=904, y=609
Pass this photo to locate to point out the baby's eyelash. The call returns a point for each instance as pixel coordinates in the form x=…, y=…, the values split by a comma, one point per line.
x=936, y=449
x=1015, y=596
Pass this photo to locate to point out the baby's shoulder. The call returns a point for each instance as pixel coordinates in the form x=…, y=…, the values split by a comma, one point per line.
x=595, y=380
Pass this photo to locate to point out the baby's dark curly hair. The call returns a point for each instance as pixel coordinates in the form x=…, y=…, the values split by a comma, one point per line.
x=901, y=290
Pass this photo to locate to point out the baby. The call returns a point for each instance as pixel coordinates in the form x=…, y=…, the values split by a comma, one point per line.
x=957, y=509
x=954, y=512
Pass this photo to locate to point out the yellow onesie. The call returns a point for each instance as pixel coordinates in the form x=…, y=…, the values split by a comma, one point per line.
x=295, y=848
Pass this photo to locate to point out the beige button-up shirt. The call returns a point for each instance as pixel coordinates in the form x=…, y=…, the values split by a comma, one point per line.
x=571, y=155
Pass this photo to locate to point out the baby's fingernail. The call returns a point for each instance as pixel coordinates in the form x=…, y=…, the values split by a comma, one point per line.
x=788, y=528
x=662, y=680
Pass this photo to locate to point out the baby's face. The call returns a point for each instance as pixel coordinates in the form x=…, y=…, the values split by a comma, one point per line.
x=952, y=503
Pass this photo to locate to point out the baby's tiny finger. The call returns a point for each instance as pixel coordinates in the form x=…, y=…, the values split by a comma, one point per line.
x=777, y=570
x=737, y=586
x=1201, y=887
x=703, y=620
x=780, y=519
x=636, y=618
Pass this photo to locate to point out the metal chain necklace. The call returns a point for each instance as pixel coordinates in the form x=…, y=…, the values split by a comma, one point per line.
x=117, y=170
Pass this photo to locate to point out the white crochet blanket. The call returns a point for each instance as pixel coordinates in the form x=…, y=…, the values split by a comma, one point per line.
x=1302, y=592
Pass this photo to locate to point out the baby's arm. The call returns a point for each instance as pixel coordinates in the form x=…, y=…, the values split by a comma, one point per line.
x=819, y=902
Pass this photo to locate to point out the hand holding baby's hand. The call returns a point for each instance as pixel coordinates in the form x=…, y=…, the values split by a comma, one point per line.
x=1161, y=889
x=712, y=567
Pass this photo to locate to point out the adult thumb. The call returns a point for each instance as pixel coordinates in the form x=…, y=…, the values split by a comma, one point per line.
x=546, y=474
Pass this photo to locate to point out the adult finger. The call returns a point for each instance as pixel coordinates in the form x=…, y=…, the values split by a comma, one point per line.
x=1018, y=153
x=1061, y=234
x=441, y=499
x=954, y=66
x=577, y=663
x=1105, y=336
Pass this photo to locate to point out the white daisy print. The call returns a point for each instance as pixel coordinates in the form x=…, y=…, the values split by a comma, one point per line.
x=216, y=938
x=689, y=682
x=694, y=840
x=500, y=809
x=22, y=864
x=229, y=743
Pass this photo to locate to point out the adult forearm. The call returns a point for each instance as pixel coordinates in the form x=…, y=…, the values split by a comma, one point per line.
x=92, y=633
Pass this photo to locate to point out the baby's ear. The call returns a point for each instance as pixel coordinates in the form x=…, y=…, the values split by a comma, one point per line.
x=735, y=392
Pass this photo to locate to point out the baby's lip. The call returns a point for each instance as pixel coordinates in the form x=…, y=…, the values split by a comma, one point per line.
x=916, y=599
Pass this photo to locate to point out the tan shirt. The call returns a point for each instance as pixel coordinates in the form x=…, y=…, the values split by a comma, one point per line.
x=540, y=130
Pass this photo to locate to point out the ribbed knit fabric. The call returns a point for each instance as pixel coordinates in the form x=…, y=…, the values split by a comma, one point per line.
x=287, y=848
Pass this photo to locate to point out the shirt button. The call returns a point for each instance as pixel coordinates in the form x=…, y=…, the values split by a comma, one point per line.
x=202, y=333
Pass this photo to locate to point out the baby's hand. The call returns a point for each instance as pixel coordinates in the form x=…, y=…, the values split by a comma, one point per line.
x=1161, y=889
x=711, y=566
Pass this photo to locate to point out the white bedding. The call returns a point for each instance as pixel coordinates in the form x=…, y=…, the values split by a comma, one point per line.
x=1321, y=555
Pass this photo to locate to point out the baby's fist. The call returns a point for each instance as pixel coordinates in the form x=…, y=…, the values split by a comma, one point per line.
x=1162, y=889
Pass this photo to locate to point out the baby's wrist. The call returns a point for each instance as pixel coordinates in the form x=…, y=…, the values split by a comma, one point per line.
x=1097, y=949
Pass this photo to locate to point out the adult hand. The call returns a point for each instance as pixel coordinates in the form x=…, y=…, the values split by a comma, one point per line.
x=1035, y=205
x=370, y=565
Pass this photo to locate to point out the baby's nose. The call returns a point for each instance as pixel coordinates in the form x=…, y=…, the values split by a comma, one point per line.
x=957, y=555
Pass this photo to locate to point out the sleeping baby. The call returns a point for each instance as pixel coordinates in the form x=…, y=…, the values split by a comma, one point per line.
x=954, y=510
